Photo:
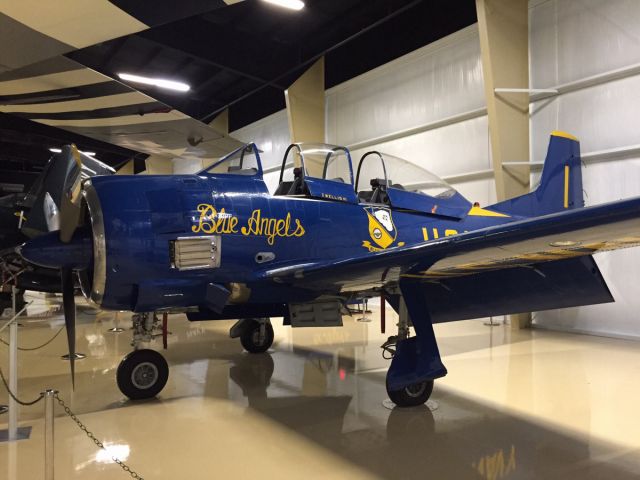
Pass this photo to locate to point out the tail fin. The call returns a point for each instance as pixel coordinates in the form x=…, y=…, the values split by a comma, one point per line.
x=560, y=187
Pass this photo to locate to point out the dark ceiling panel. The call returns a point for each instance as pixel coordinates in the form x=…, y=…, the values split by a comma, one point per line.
x=241, y=56
x=158, y=12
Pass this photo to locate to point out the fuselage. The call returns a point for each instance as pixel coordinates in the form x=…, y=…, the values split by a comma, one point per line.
x=257, y=231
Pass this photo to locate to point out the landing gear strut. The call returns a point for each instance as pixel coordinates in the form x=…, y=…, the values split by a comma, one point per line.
x=414, y=394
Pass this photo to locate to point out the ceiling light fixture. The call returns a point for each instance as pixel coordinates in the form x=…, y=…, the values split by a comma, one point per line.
x=290, y=4
x=59, y=150
x=158, y=82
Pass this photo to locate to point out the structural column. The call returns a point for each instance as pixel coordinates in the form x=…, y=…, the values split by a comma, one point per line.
x=504, y=45
x=305, y=109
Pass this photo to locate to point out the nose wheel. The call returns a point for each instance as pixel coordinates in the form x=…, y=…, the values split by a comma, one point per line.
x=142, y=374
x=257, y=337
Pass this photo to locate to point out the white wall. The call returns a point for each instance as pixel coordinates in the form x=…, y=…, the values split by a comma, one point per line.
x=574, y=40
x=428, y=107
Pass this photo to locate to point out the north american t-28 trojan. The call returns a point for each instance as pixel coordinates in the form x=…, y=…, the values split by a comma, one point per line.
x=218, y=245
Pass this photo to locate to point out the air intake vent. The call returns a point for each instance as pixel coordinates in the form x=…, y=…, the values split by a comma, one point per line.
x=190, y=253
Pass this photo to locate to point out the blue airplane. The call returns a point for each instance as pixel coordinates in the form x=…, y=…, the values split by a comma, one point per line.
x=218, y=245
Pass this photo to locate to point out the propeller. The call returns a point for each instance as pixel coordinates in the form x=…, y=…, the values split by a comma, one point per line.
x=69, y=217
x=70, y=211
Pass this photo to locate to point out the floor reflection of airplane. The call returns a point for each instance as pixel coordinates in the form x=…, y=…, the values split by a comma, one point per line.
x=219, y=246
x=462, y=439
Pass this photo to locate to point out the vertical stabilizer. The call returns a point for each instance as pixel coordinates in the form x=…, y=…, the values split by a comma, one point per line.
x=560, y=186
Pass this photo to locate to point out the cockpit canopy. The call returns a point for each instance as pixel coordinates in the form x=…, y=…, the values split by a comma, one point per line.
x=380, y=169
x=325, y=172
x=389, y=180
x=318, y=171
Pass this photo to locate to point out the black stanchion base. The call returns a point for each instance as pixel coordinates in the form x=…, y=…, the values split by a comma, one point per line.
x=23, y=433
x=3, y=409
x=78, y=356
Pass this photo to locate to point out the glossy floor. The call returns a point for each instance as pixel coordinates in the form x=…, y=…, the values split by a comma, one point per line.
x=526, y=404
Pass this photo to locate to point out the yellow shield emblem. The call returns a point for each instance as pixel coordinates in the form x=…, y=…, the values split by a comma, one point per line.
x=381, y=228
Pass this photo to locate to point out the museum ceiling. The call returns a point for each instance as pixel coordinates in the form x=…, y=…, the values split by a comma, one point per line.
x=241, y=57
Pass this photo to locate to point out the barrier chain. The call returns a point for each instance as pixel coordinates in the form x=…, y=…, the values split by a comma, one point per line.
x=90, y=434
x=31, y=349
x=77, y=421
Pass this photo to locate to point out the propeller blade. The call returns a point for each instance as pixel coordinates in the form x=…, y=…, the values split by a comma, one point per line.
x=70, y=211
x=51, y=213
x=69, y=305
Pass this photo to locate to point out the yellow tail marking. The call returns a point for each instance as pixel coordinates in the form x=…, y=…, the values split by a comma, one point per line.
x=425, y=234
x=559, y=133
x=566, y=186
x=435, y=233
x=481, y=212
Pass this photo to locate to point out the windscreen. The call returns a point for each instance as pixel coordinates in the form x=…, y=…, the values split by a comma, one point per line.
x=243, y=161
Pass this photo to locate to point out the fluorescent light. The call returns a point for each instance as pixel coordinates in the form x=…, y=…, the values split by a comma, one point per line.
x=59, y=150
x=158, y=82
x=291, y=4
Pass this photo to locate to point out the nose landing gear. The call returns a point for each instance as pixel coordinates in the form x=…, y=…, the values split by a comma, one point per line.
x=142, y=373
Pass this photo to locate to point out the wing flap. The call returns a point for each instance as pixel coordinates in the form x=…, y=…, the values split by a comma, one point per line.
x=560, y=284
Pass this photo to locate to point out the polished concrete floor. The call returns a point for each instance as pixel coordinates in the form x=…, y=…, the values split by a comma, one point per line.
x=524, y=405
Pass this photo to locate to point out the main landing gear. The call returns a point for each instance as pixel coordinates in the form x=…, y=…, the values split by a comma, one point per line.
x=256, y=334
x=411, y=396
x=143, y=373
x=414, y=394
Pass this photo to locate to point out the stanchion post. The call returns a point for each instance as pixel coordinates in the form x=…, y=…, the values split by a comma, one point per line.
x=13, y=371
x=49, y=396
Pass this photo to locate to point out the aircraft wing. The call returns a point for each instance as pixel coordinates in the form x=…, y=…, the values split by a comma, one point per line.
x=533, y=246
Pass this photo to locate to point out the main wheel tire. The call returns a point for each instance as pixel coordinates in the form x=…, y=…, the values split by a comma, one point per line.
x=251, y=341
x=413, y=395
x=142, y=374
